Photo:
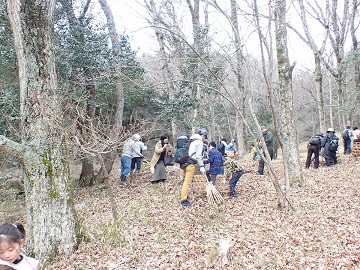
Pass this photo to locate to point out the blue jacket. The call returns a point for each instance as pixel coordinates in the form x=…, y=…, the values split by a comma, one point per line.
x=216, y=161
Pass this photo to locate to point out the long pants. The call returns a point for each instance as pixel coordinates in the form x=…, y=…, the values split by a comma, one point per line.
x=189, y=172
x=125, y=165
x=331, y=156
x=347, y=146
x=312, y=149
x=136, y=162
x=262, y=162
x=233, y=181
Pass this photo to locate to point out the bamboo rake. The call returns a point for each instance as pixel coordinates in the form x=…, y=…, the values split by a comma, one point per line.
x=212, y=194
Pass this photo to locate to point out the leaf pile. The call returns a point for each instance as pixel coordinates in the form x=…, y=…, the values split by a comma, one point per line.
x=155, y=232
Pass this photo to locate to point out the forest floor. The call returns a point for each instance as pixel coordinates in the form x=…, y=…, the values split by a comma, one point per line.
x=153, y=231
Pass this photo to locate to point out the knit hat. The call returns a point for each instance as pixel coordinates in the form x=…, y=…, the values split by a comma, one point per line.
x=136, y=137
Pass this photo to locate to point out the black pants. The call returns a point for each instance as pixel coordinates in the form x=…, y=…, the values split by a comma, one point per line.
x=262, y=162
x=312, y=149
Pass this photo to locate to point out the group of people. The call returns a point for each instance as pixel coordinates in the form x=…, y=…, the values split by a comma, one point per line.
x=328, y=146
x=200, y=153
x=12, y=239
x=131, y=157
x=215, y=158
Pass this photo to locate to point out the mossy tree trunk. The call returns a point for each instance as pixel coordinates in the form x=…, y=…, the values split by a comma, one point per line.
x=51, y=219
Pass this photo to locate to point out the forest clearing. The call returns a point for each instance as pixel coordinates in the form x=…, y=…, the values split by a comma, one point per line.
x=155, y=232
x=76, y=92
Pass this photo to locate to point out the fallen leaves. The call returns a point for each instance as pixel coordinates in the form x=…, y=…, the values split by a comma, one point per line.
x=155, y=232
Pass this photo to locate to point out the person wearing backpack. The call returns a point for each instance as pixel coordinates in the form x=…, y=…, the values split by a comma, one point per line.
x=195, y=155
x=216, y=161
x=330, y=144
x=346, y=135
x=314, y=147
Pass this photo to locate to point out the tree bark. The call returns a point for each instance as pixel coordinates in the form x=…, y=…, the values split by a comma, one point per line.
x=119, y=110
x=240, y=80
x=157, y=25
x=317, y=52
x=291, y=157
x=51, y=220
x=116, y=46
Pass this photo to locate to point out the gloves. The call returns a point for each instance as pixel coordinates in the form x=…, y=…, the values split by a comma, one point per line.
x=202, y=170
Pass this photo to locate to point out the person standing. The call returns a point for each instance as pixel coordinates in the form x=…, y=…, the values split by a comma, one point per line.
x=330, y=144
x=136, y=159
x=195, y=159
x=230, y=148
x=128, y=151
x=157, y=166
x=222, y=146
x=346, y=135
x=254, y=153
x=314, y=147
x=269, y=143
x=356, y=134
x=216, y=161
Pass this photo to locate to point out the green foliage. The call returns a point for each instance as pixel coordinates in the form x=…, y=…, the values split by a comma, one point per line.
x=9, y=81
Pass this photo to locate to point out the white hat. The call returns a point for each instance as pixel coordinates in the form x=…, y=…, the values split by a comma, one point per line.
x=136, y=137
x=330, y=130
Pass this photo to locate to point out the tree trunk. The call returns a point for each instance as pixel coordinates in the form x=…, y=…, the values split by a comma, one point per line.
x=87, y=172
x=318, y=70
x=51, y=220
x=355, y=47
x=119, y=110
x=240, y=80
x=319, y=92
x=116, y=46
x=156, y=17
x=291, y=157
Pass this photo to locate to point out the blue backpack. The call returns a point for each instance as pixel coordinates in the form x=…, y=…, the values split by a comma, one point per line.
x=182, y=148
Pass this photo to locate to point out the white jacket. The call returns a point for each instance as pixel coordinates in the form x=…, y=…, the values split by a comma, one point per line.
x=196, y=149
x=140, y=146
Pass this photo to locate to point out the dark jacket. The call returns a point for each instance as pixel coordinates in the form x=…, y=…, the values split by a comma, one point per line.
x=269, y=140
x=216, y=161
x=326, y=142
x=221, y=148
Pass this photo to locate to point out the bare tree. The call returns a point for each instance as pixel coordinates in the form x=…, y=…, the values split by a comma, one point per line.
x=291, y=156
x=237, y=68
x=158, y=24
x=51, y=220
x=109, y=158
x=318, y=54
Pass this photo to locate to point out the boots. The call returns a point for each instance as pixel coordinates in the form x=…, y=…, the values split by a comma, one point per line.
x=136, y=173
x=122, y=179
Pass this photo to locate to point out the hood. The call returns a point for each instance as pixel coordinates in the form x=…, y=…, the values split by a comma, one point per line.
x=196, y=137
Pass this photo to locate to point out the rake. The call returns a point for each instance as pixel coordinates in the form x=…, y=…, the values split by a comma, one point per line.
x=212, y=194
